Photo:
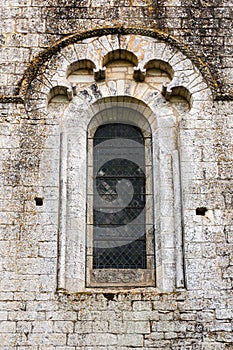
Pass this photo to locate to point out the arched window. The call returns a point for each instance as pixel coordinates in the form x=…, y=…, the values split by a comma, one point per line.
x=120, y=231
x=117, y=226
x=119, y=239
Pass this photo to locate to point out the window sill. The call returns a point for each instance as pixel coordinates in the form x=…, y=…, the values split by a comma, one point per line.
x=123, y=278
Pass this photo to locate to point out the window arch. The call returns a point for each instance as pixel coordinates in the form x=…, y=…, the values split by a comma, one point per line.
x=162, y=109
x=120, y=230
x=163, y=199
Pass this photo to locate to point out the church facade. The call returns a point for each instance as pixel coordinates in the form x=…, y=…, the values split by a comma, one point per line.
x=116, y=175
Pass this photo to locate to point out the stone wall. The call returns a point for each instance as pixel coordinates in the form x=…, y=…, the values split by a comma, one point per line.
x=30, y=26
x=34, y=313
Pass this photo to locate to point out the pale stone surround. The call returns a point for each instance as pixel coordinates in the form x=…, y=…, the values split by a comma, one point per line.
x=171, y=89
x=33, y=315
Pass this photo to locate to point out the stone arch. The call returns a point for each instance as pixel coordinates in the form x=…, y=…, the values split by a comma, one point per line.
x=123, y=102
x=120, y=54
x=80, y=64
x=156, y=101
x=159, y=64
x=82, y=115
x=80, y=67
x=59, y=91
x=186, y=81
x=37, y=66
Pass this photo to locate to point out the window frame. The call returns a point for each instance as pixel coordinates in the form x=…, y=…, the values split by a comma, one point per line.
x=166, y=185
x=123, y=278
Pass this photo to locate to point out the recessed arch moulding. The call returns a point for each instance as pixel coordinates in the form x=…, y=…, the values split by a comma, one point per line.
x=137, y=72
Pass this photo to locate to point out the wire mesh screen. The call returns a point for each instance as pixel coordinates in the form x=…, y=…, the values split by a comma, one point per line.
x=119, y=231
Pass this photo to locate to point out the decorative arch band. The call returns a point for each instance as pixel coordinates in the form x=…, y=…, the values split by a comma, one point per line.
x=39, y=62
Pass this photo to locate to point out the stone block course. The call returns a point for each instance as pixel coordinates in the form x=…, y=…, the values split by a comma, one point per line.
x=34, y=315
x=164, y=15
x=130, y=340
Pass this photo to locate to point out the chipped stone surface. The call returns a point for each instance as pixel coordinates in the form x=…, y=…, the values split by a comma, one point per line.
x=205, y=27
x=34, y=314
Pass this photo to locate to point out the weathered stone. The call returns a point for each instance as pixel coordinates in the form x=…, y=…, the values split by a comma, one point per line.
x=47, y=109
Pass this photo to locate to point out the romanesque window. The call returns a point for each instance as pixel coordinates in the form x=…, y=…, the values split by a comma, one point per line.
x=120, y=216
x=120, y=231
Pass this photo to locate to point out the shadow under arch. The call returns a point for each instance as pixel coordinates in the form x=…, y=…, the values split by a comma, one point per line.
x=120, y=55
x=162, y=65
x=80, y=64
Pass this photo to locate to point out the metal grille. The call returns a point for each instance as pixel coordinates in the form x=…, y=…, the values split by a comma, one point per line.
x=119, y=239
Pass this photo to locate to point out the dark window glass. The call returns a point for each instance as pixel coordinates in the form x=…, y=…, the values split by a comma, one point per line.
x=119, y=239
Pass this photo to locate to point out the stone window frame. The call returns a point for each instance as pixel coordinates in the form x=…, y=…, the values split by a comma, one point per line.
x=168, y=240
x=187, y=82
x=123, y=278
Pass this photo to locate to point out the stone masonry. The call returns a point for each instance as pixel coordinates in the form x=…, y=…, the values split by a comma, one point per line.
x=63, y=65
